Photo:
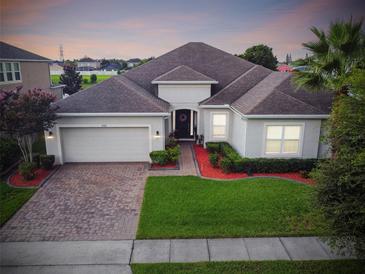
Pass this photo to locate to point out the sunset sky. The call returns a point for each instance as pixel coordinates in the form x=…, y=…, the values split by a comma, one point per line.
x=126, y=29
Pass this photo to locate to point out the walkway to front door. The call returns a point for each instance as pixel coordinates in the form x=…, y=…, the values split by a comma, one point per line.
x=186, y=162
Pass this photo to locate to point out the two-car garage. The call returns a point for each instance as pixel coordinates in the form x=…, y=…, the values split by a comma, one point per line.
x=105, y=144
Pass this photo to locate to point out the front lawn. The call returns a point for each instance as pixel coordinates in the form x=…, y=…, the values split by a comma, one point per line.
x=191, y=207
x=290, y=267
x=11, y=199
x=100, y=78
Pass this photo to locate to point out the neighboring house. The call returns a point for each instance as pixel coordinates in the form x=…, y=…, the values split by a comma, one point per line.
x=284, y=68
x=21, y=68
x=131, y=63
x=193, y=90
x=56, y=68
x=112, y=67
x=87, y=64
x=300, y=68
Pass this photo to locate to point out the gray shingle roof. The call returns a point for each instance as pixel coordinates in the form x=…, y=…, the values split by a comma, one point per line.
x=10, y=52
x=210, y=61
x=183, y=73
x=249, y=88
x=239, y=86
x=114, y=95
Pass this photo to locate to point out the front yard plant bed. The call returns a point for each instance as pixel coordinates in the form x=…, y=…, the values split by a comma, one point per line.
x=192, y=207
x=11, y=199
x=17, y=180
x=207, y=170
x=272, y=267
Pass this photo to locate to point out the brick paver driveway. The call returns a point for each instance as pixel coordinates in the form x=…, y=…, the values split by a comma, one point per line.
x=82, y=202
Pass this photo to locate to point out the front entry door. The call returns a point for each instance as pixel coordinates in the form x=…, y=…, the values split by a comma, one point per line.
x=182, y=122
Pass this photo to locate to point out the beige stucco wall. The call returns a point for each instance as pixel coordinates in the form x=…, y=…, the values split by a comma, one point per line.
x=33, y=75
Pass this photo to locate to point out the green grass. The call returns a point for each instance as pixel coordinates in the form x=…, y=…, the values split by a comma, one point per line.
x=191, y=207
x=11, y=199
x=100, y=78
x=289, y=267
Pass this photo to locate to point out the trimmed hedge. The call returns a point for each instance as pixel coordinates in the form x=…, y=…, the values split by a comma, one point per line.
x=233, y=162
x=213, y=159
x=162, y=157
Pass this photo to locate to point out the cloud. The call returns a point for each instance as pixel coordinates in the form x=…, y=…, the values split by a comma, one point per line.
x=20, y=13
x=287, y=32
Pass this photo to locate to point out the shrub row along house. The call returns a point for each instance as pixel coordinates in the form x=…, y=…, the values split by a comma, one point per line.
x=193, y=90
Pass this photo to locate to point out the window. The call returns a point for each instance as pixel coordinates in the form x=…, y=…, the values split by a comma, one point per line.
x=284, y=140
x=219, y=125
x=9, y=72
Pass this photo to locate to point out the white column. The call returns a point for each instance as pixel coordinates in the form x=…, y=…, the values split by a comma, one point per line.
x=173, y=120
x=191, y=122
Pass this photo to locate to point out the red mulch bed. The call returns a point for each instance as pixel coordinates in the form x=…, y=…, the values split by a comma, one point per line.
x=18, y=181
x=206, y=170
x=161, y=167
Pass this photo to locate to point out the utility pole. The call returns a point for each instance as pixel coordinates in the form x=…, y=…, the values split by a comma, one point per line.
x=61, y=53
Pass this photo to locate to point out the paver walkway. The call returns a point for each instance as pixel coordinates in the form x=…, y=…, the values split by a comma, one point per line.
x=186, y=162
x=82, y=202
x=115, y=256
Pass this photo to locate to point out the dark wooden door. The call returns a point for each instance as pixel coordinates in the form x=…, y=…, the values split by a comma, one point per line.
x=182, y=123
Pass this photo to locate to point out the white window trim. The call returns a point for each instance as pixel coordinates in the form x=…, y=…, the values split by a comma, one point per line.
x=284, y=155
x=212, y=137
x=6, y=82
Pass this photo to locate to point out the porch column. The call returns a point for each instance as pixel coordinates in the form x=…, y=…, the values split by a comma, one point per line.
x=173, y=121
x=191, y=122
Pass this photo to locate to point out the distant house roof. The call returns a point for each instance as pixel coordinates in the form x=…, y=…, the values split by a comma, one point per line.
x=87, y=59
x=284, y=68
x=134, y=60
x=248, y=88
x=183, y=74
x=111, y=67
x=10, y=52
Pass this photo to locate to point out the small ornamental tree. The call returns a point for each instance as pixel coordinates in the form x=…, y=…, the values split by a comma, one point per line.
x=93, y=78
x=260, y=55
x=72, y=79
x=24, y=115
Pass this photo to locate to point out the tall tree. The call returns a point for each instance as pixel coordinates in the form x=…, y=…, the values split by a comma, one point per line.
x=337, y=65
x=72, y=79
x=260, y=55
x=24, y=115
x=334, y=55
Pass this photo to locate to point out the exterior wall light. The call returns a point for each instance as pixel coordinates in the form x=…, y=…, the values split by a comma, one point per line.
x=50, y=135
x=157, y=135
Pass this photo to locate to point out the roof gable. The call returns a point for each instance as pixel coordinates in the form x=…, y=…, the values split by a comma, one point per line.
x=183, y=74
x=10, y=52
x=210, y=61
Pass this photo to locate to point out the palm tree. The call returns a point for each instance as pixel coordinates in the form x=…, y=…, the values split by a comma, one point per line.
x=334, y=57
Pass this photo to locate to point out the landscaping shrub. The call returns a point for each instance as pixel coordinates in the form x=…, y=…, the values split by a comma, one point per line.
x=47, y=161
x=171, y=141
x=85, y=80
x=173, y=153
x=26, y=169
x=159, y=157
x=213, y=159
x=226, y=165
x=9, y=153
x=274, y=165
x=36, y=160
x=213, y=147
x=93, y=78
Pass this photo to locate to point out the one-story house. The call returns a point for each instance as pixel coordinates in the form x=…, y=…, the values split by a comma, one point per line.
x=193, y=90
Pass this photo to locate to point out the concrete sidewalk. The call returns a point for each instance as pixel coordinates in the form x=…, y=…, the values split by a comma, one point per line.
x=115, y=256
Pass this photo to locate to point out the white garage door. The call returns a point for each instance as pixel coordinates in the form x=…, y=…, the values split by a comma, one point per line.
x=105, y=144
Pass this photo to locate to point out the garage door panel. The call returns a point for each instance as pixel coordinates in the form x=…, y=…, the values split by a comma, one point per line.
x=105, y=144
